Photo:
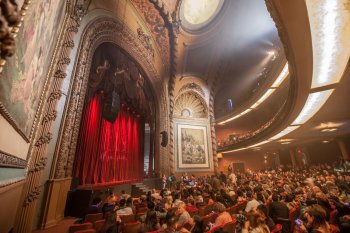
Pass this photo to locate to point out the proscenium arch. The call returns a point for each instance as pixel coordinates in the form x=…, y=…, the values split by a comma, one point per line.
x=97, y=32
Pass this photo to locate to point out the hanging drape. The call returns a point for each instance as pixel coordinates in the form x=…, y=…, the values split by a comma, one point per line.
x=109, y=153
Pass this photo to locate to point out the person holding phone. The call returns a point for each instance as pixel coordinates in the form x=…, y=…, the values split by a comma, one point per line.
x=315, y=221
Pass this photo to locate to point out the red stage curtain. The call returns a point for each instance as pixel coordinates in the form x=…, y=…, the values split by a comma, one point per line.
x=109, y=153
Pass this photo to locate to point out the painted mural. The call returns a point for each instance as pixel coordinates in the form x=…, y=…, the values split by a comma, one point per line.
x=22, y=81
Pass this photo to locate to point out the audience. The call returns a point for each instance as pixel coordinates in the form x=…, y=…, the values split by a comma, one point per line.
x=317, y=193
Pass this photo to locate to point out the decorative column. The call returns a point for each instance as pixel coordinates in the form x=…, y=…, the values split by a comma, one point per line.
x=38, y=149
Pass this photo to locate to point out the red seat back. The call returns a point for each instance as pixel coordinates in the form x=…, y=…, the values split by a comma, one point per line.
x=77, y=227
x=99, y=224
x=93, y=217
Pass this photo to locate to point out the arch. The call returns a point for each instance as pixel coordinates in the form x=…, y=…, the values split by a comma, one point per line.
x=100, y=31
x=193, y=103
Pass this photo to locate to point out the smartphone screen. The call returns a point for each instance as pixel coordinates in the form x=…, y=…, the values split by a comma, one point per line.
x=298, y=221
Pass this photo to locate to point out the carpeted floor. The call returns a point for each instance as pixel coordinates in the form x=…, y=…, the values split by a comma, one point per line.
x=61, y=227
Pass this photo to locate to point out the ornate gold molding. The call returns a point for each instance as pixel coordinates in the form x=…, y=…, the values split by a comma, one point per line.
x=42, y=134
x=8, y=160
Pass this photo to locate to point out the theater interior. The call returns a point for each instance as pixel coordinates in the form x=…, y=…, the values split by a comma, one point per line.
x=154, y=96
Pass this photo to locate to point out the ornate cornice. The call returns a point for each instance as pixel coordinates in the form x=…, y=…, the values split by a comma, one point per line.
x=8, y=160
x=194, y=87
x=157, y=26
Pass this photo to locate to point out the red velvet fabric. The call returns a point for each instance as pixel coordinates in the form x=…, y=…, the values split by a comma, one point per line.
x=109, y=153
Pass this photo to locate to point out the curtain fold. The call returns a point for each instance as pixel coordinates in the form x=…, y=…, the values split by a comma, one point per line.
x=109, y=153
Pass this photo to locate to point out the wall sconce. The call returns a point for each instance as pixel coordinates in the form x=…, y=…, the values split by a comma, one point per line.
x=219, y=155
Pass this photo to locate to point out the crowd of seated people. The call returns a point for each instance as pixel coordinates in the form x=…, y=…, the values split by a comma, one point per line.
x=315, y=199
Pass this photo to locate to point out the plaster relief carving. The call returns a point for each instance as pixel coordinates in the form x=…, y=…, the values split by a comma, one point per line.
x=7, y=160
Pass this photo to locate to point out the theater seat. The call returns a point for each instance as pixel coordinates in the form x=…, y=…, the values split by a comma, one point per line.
x=86, y=231
x=77, y=227
x=277, y=229
x=230, y=226
x=99, y=224
x=93, y=217
x=131, y=227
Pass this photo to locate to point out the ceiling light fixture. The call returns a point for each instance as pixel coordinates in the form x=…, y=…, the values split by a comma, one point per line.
x=329, y=21
x=313, y=103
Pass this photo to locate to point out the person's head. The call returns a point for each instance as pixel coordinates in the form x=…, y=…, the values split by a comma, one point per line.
x=150, y=205
x=315, y=216
x=151, y=218
x=181, y=207
x=262, y=210
x=122, y=202
x=255, y=219
x=275, y=197
x=249, y=195
x=219, y=207
x=170, y=219
x=199, y=199
x=169, y=200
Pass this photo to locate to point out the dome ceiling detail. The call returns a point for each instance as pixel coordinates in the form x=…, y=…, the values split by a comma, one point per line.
x=190, y=104
x=195, y=14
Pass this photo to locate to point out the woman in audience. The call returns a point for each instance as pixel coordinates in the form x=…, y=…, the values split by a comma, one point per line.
x=151, y=222
x=315, y=220
x=198, y=226
x=224, y=216
x=262, y=211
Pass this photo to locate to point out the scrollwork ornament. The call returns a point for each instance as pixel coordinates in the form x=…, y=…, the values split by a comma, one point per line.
x=40, y=165
x=54, y=96
x=50, y=117
x=32, y=195
x=60, y=74
x=45, y=139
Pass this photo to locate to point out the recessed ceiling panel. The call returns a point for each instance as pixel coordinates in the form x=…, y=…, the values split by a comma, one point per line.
x=195, y=14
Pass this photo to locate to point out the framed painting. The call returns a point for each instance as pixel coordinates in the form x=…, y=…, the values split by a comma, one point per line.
x=23, y=79
x=192, y=147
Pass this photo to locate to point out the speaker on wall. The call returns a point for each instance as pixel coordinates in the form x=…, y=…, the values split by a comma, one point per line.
x=164, y=141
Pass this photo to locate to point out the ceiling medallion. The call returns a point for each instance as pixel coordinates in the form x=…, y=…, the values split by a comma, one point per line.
x=196, y=14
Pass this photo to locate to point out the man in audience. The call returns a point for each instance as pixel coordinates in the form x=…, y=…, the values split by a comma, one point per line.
x=123, y=209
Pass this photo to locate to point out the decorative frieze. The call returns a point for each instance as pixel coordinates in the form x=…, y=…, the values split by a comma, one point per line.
x=8, y=160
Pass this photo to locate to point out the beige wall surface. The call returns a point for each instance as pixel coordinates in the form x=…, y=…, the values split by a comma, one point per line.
x=9, y=201
x=10, y=141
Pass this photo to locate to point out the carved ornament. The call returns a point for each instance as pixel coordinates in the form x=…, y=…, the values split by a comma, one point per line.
x=32, y=195
x=194, y=87
x=157, y=26
x=40, y=165
x=8, y=160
